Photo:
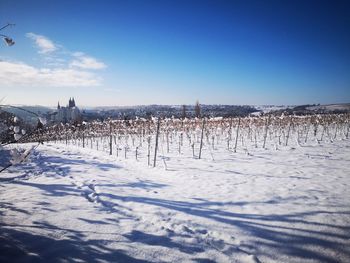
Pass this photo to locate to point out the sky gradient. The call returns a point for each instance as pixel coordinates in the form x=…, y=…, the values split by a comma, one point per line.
x=108, y=53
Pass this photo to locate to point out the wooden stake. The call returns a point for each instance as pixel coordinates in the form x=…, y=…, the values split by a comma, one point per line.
x=201, y=144
x=290, y=125
x=110, y=138
x=237, y=133
x=266, y=129
x=156, y=147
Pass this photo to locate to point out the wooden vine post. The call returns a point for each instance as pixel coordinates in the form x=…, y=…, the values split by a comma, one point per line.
x=148, y=150
x=156, y=147
x=110, y=138
x=266, y=129
x=229, y=136
x=83, y=128
x=237, y=133
x=201, y=143
x=288, y=133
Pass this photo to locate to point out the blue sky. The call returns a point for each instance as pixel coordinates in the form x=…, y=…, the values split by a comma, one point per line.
x=175, y=52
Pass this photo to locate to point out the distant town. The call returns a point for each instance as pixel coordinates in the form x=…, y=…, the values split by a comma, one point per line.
x=72, y=113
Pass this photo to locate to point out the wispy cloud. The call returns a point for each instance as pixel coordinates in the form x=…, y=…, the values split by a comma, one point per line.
x=44, y=44
x=19, y=74
x=61, y=68
x=86, y=62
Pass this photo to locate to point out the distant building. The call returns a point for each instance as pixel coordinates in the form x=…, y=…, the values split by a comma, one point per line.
x=70, y=113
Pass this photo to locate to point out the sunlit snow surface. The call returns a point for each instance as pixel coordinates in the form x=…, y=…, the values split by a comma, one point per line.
x=74, y=204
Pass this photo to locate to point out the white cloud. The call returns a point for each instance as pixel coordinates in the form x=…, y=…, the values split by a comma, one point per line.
x=15, y=74
x=86, y=62
x=44, y=44
x=77, y=59
x=59, y=69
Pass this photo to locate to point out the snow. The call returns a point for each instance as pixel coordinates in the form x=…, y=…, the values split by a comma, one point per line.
x=73, y=204
x=270, y=108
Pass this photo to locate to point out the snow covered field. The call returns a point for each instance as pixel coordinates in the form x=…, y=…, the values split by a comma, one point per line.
x=72, y=204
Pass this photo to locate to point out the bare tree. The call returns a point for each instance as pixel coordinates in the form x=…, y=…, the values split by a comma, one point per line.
x=197, y=109
x=183, y=114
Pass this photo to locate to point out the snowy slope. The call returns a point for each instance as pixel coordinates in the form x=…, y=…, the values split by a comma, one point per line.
x=73, y=204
